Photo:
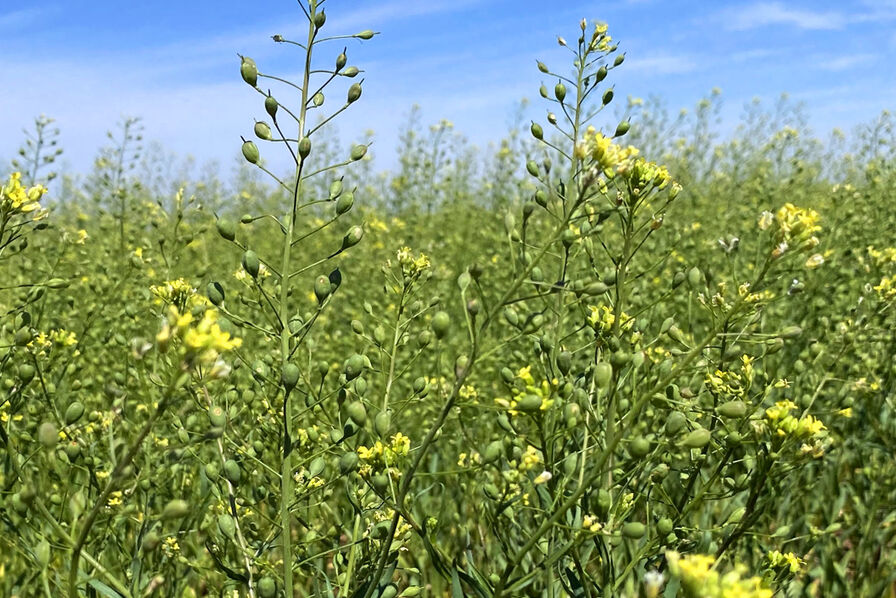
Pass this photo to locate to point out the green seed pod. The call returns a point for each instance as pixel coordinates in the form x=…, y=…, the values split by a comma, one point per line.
x=354, y=93
x=639, y=447
x=543, y=91
x=357, y=413
x=248, y=70
x=697, y=439
x=23, y=336
x=734, y=409
x=619, y=60
x=603, y=374
x=366, y=34
x=493, y=452
x=318, y=99
x=441, y=322
x=176, y=509
x=232, y=471
x=537, y=131
x=304, y=147
x=354, y=365
x=529, y=403
x=601, y=74
x=42, y=553
x=382, y=423
x=340, y=61
x=348, y=462
x=351, y=71
x=595, y=288
x=532, y=168
x=335, y=189
x=74, y=412
x=664, y=526
x=345, y=203
x=25, y=373
x=226, y=525
x=217, y=416
x=322, y=288
x=289, y=376
x=251, y=263
x=541, y=66
x=72, y=450
x=622, y=128
x=791, y=332
x=215, y=293
x=267, y=587
x=695, y=277
x=357, y=327
x=263, y=131
x=390, y=591
x=675, y=423
x=560, y=92
x=317, y=467
x=352, y=237
x=608, y=97
x=380, y=483
x=48, y=435
x=564, y=362
x=270, y=106
x=150, y=542
x=358, y=152
x=634, y=530
x=419, y=385
x=57, y=283
x=250, y=152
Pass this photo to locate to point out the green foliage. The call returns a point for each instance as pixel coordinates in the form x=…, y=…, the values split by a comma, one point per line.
x=557, y=370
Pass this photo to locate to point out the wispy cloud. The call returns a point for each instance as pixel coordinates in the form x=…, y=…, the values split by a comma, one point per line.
x=19, y=18
x=844, y=63
x=659, y=64
x=763, y=14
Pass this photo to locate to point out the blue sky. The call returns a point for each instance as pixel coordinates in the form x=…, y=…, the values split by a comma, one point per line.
x=87, y=63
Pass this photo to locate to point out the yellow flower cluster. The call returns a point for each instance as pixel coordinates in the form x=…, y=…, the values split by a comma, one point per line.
x=412, y=267
x=543, y=390
x=603, y=152
x=783, y=423
x=386, y=454
x=202, y=341
x=178, y=292
x=602, y=319
x=729, y=382
x=590, y=523
x=886, y=288
x=786, y=562
x=699, y=579
x=794, y=228
x=16, y=199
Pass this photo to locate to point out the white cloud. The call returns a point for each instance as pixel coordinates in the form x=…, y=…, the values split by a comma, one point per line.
x=658, y=64
x=763, y=14
x=844, y=63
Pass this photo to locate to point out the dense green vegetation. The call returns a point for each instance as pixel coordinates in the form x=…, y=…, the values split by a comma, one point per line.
x=559, y=367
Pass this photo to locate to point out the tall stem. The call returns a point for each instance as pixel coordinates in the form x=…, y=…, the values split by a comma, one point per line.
x=286, y=481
